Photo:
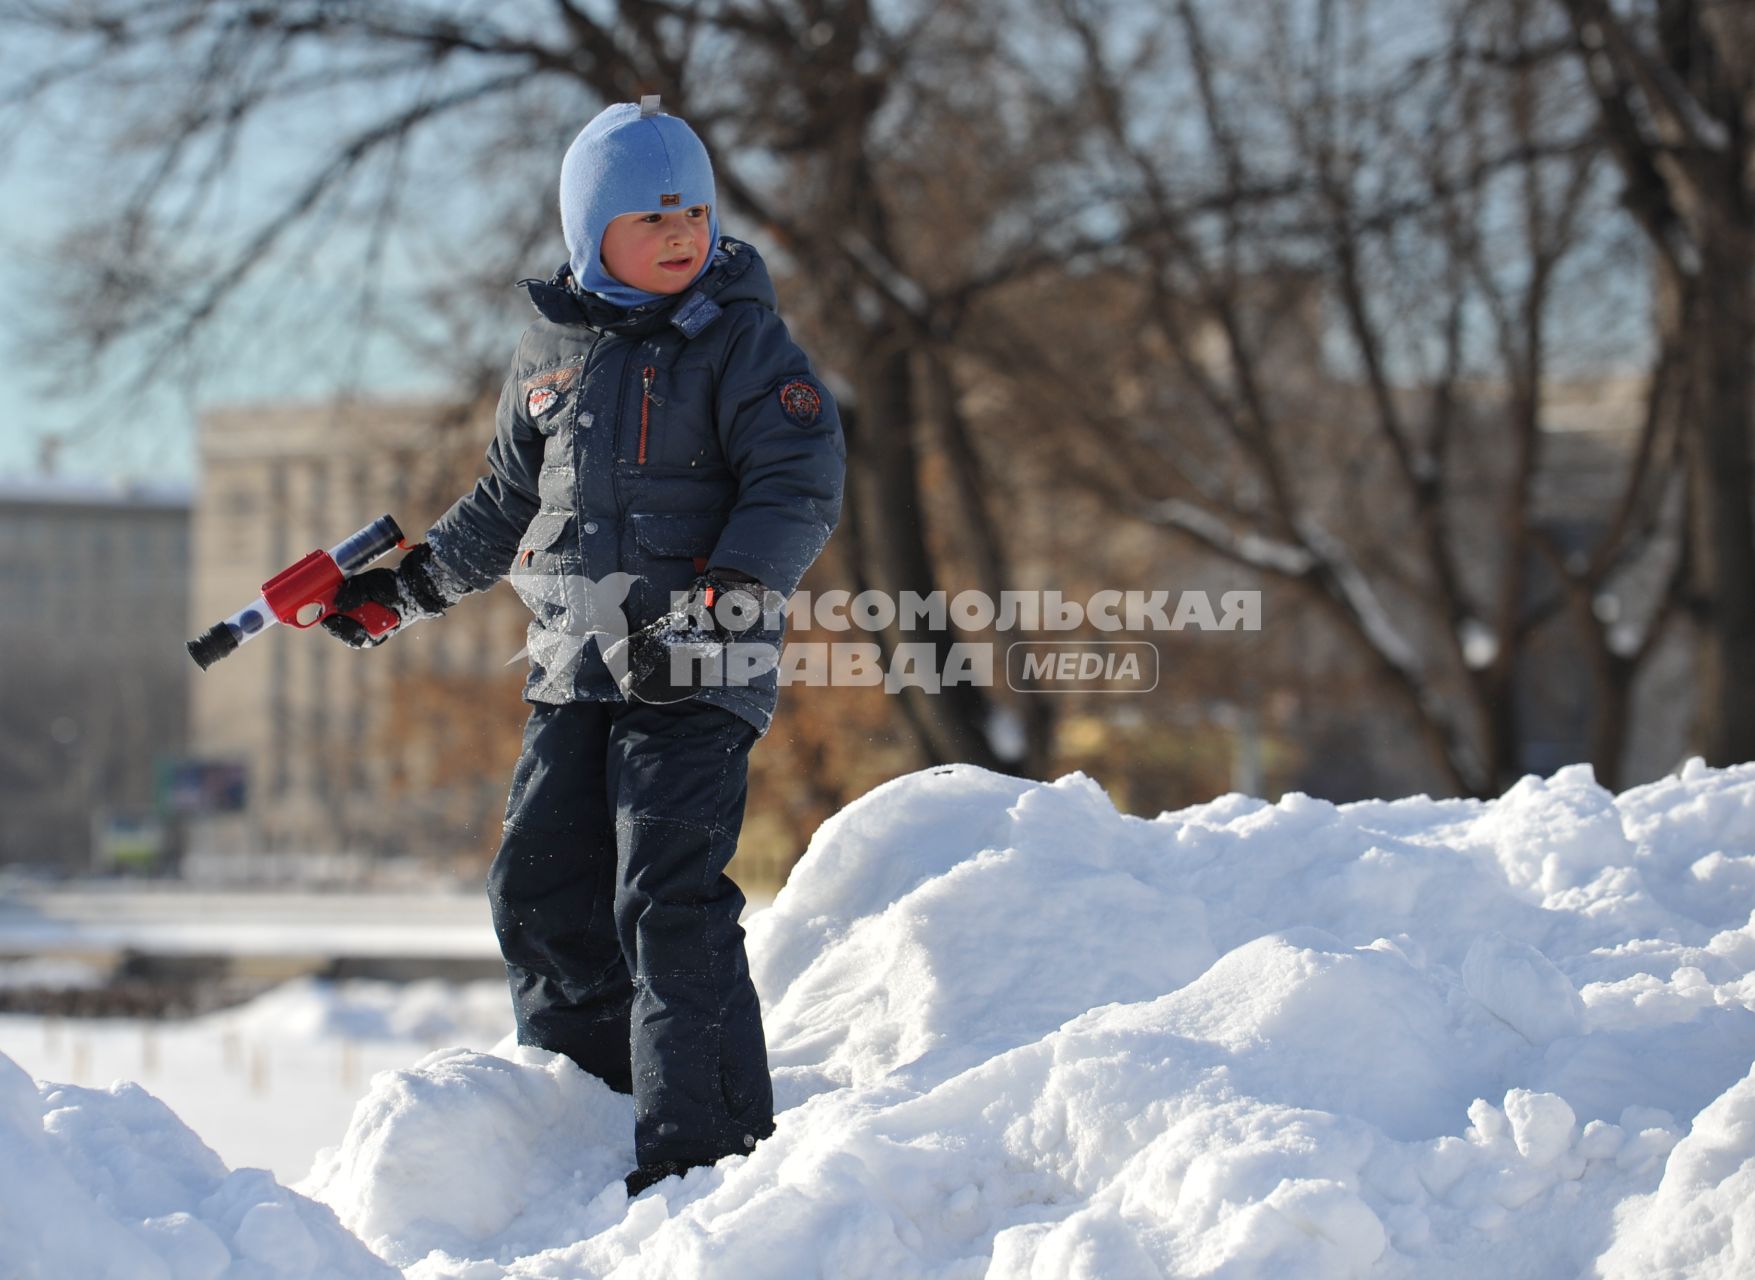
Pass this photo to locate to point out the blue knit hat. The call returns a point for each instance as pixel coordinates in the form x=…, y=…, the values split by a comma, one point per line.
x=630, y=159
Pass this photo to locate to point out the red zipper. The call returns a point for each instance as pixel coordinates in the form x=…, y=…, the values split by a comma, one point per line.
x=646, y=399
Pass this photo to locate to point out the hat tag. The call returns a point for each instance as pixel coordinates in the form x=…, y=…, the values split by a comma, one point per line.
x=649, y=104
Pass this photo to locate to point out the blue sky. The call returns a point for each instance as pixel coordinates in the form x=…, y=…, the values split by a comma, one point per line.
x=127, y=428
x=29, y=403
x=146, y=431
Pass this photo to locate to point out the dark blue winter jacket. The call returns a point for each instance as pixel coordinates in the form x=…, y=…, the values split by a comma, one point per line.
x=651, y=442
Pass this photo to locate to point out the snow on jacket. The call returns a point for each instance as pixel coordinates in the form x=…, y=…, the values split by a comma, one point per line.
x=652, y=442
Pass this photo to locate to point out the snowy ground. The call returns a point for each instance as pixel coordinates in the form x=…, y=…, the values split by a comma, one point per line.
x=1016, y=1034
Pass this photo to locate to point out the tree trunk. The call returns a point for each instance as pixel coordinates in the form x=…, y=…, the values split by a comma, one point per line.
x=1608, y=732
x=1720, y=530
x=883, y=477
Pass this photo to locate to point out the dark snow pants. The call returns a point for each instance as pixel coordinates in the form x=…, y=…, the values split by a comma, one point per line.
x=619, y=926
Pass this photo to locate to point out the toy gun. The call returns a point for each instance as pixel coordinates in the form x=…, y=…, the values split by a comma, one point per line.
x=304, y=594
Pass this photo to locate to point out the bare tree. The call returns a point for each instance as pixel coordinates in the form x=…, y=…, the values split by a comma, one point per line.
x=1427, y=205
x=1137, y=224
x=1674, y=84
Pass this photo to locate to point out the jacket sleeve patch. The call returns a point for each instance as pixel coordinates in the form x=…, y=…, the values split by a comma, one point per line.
x=802, y=402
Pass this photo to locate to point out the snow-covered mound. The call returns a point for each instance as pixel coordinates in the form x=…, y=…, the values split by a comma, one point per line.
x=110, y=1185
x=1017, y=1034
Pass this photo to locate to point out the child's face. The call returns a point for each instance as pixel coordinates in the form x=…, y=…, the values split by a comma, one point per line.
x=657, y=252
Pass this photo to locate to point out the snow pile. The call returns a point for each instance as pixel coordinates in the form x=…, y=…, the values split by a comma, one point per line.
x=110, y=1185
x=1017, y=1034
x=468, y=1147
x=1701, y=1222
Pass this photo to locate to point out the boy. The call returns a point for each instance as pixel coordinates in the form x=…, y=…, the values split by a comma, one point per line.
x=659, y=431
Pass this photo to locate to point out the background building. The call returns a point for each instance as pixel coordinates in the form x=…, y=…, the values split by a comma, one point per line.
x=399, y=751
x=94, y=599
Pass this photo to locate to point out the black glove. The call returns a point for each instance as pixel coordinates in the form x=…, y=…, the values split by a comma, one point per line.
x=417, y=588
x=699, y=631
x=738, y=602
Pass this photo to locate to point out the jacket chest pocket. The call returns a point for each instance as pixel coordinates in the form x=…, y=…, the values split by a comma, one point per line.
x=669, y=551
x=668, y=422
x=543, y=565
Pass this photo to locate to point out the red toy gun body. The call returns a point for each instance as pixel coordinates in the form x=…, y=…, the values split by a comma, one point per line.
x=303, y=594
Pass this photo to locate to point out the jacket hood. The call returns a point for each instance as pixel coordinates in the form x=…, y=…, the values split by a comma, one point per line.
x=736, y=274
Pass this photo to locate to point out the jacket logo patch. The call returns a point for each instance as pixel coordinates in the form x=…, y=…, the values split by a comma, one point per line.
x=545, y=389
x=801, y=401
